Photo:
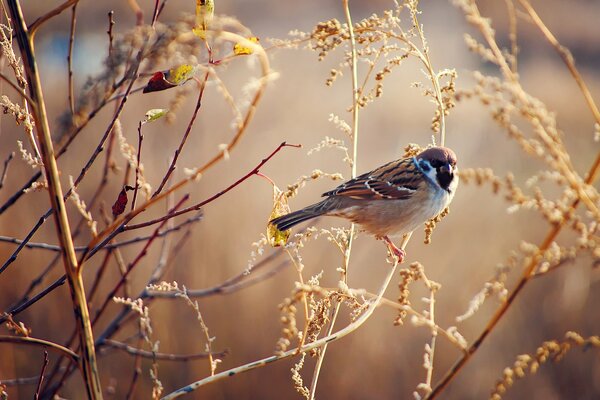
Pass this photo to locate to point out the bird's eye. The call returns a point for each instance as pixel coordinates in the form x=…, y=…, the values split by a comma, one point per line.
x=436, y=163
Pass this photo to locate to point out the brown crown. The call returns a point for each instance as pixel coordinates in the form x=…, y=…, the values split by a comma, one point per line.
x=442, y=154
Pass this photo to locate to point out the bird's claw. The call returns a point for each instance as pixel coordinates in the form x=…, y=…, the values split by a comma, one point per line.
x=394, y=250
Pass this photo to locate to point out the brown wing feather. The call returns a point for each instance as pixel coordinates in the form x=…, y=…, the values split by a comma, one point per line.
x=395, y=180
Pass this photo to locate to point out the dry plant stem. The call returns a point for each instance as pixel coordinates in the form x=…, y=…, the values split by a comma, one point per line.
x=64, y=146
x=304, y=297
x=164, y=254
x=161, y=356
x=512, y=21
x=566, y=168
x=109, y=32
x=122, y=281
x=16, y=88
x=32, y=380
x=50, y=14
x=70, y=60
x=60, y=281
x=436, y=328
x=424, y=55
x=355, y=107
x=81, y=175
x=43, y=343
x=133, y=264
x=265, y=69
x=431, y=318
x=230, y=285
x=5, y=169
x=139, y=13
x=290, y=353
x=110, y=246
x=528, y=274
x=197, y=206
x=154, y=13
x=566, y=56
x=137, y=370
x=41, y=380
x=137, y=165
x=185, y=136
x=89, y=366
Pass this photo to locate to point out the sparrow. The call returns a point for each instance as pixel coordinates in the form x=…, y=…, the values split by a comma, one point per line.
x=391, y=200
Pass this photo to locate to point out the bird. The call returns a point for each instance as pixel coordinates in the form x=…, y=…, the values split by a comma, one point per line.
x=391, y=200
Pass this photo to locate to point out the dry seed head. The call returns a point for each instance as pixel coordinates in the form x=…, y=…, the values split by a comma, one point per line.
x=550, y=350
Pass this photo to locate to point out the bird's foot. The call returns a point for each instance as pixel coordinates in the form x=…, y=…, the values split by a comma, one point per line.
x=395, y=250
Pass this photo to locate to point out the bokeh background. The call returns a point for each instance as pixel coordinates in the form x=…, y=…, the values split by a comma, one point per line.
x=379, y=361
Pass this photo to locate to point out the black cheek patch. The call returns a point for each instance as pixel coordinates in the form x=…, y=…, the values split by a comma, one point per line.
x=444, y=178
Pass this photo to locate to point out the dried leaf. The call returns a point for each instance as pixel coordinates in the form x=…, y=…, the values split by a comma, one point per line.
x=276, y=237
x=239, y=49
x=121, y=203
x=176, y=76
x=154, y=114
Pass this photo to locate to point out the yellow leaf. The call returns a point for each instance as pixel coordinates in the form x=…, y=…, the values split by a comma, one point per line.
x=276, y=237
x=240, y=49
x=181, y=74
x=154, y=114
x=205, y=10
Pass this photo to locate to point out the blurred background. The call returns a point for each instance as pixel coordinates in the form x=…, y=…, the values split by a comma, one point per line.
x=379, y=360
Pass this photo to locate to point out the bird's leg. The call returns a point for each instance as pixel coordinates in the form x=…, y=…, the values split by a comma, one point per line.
x=396, y=251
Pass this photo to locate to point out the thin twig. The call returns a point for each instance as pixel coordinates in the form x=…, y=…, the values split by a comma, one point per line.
x=433, y=76
x=512, y=23
x=32, y=380
x=39, y=342
x=196, y=206
x=133, y=264
x=154, y=13
x=230, y=285
x=41, y=380
x=137, y=165
x=50, y=14
x=17, y=88
x=34, y=299
x=184, y=138
x=5, y=169
x=112, y=230
x=161, y=356
x=355, y=108
x=70, y=60
x=566, y=56
x=56, y=248
x=79, y=178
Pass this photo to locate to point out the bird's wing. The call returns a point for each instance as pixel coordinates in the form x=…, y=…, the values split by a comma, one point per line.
x=398, y=179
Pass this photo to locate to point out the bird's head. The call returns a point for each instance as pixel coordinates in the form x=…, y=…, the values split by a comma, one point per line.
x=439, y=164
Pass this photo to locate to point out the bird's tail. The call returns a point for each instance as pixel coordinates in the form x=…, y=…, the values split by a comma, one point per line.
x=287, y=221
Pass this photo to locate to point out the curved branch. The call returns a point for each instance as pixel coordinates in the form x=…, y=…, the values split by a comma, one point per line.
x=161, y=356
x=50, y=14
x=40, y=342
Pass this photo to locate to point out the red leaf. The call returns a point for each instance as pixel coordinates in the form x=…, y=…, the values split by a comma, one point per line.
x=158, y=82
x=121, y=203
